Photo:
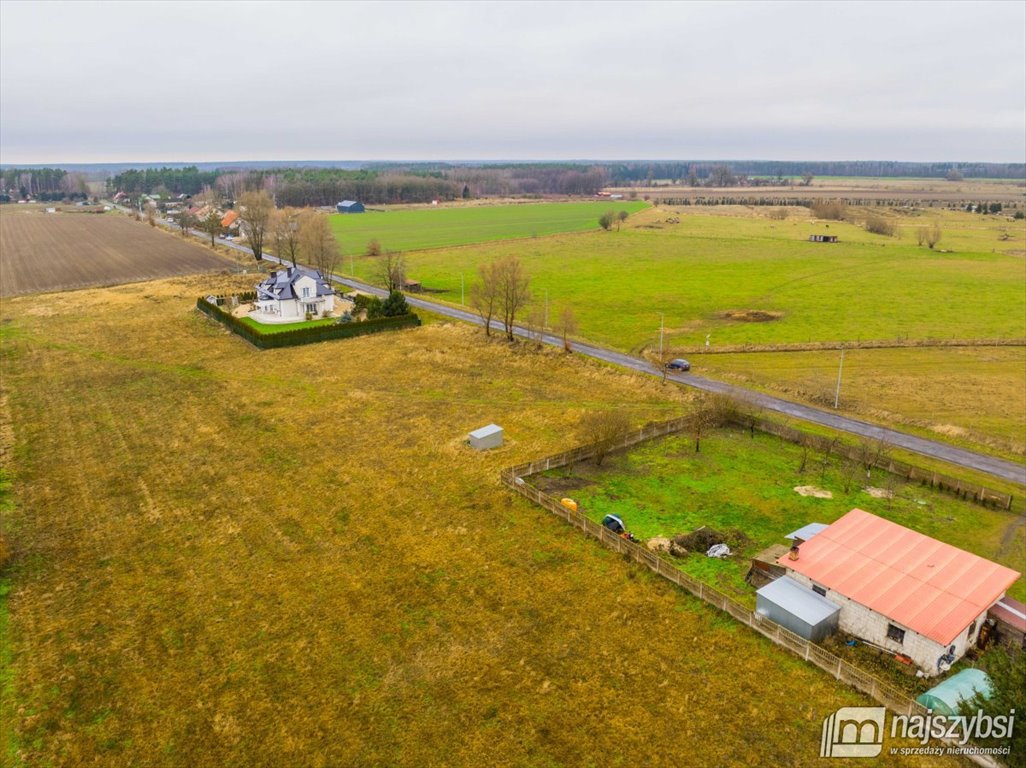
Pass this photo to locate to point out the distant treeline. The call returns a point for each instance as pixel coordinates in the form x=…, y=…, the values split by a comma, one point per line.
x=627, y=173
x=42, y=183
x=383, y=183
x=386, y=184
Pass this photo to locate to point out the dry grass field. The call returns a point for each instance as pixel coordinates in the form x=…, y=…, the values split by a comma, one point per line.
x=52, y=252
x=238, y=558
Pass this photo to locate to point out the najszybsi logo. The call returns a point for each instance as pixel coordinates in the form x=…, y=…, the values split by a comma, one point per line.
x=853, y=732
x=859, y=731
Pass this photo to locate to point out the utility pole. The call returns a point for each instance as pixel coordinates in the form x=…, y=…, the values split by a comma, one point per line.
x=546, y=307
x=352, y=266
x=660, y=336
x=462, y=302
x=837, y=392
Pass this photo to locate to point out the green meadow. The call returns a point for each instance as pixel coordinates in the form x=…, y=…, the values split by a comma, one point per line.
x=866, y=286
x=416, y=229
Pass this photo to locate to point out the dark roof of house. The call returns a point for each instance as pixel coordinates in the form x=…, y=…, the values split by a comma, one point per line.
x=280, y=285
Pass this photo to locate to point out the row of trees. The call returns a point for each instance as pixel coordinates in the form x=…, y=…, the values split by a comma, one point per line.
x=622, y=174
x=43, y=183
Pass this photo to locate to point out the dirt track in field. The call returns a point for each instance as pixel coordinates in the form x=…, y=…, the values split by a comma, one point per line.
x=42, y=252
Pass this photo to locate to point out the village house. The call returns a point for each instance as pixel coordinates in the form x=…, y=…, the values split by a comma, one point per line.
x=290, y=295
x=898, y=589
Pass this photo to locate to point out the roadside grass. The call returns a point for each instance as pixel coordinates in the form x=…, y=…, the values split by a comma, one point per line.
x=738, y=481
x=970, y=396
x=864, y=287
x=267, y=328
x=417, y=229
x=235, y=557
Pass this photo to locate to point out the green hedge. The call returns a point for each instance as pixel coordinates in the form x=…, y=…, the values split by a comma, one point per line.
x=242, y=297
x=304, y=335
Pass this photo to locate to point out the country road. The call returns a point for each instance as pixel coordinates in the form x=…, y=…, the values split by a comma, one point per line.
x=991, y=465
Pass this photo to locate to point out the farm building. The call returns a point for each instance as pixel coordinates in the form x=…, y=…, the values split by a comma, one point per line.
x=899, y=589
x=822, y=238
x=350, y=206
x=797, y=608
x=289, y=295
x=1009, y=617
x=486, y=437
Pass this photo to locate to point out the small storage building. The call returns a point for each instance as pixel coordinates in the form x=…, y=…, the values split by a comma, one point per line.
x=349, y=206
x=822, y=238
x=945, y=699
x=794, y=607
x=486, y=437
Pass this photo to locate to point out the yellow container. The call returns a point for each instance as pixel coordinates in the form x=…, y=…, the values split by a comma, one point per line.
x=569, y=504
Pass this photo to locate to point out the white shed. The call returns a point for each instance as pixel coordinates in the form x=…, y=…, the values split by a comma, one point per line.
x=486, y=437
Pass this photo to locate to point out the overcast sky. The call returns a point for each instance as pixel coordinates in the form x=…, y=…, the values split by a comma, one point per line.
x=184, y=81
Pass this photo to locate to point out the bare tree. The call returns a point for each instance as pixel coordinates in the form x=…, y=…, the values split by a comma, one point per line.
x=921, y=235
x=621, y=217
x=535, y=323
x=933, y=235
x=567, y=326
x=317, y=244
x=186, y=221
x=373, y=249
x=605, y=430
x=484, y=295
x=151, y=213
x=255, y=209
x=392, y=271
x=515, y=291
x=807, y=178
x=286, y=227
x=606, y=220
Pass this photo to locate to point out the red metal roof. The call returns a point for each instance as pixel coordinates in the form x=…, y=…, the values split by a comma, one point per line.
x=930, y=587
x=1010, y=611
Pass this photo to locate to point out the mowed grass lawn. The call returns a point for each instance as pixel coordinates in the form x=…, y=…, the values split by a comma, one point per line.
x=416, y=229
x=736, y=481
x=231, y=557
x=865, y=287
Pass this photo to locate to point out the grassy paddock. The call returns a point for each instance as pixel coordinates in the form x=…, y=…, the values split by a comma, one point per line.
x=664, y=488
x=417, y=229
x=864, y=287
x=973, y=396
x=237, y=558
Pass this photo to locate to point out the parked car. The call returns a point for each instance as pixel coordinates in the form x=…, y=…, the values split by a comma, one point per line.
x=678, y=364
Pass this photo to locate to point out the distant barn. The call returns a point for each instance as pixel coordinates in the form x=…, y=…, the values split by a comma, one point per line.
x=822, y=238
x=349, y=206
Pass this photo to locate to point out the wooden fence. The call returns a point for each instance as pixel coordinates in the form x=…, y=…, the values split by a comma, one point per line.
x=887, y=695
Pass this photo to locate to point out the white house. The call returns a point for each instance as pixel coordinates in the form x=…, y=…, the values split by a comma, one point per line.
x=899, y=589
x=289, y=295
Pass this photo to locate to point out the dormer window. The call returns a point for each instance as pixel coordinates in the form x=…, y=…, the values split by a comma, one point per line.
x=306, y=293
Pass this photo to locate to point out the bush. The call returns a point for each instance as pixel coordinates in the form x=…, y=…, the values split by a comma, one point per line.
x=305, y=335
x=829, y=209
x=879, y=225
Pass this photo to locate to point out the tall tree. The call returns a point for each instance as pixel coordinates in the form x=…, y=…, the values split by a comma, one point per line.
x=567, y=326
x=255, y=209
x=286, y=234
x=392, y=271
x=317, y=244
x=514, y=291
x=211, y=225
x=484, y=294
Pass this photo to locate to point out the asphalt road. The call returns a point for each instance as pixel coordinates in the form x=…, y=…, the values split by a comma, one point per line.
x=1006, y=470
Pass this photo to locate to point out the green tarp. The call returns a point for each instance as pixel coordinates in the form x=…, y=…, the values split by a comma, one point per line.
x=944, y=699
